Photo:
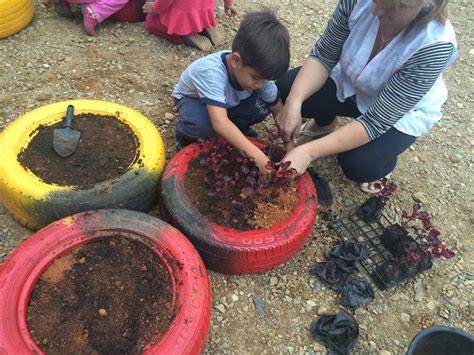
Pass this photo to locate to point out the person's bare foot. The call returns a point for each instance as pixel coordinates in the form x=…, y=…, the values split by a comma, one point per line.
x=369, y=187
x=198, y=41
x=215, y=34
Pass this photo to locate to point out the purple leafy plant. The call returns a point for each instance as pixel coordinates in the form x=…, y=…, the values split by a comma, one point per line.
x=386, y=190
x=428, y=244
x=229, y=169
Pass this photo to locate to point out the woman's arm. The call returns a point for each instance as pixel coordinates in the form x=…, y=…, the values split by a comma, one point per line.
x=315, y=71
x=310, y=79
x=345, y=138
x=406, y=88
x=402, y=92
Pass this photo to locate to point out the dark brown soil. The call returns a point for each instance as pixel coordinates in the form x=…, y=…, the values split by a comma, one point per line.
x=106, y=149
x=106, y=297
x=256, y=212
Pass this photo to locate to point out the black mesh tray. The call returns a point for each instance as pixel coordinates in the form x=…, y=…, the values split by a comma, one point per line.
x=379, y=261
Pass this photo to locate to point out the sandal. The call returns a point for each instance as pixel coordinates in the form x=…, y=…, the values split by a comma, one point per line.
x=370, y=188
x=215, y=35
x=196, y=40
x=310, y=131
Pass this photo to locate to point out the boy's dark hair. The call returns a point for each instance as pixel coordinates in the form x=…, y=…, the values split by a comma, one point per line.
x=263, y=43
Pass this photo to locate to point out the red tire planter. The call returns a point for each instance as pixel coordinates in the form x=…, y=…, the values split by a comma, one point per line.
x=190, y=282
x=225, y=249
x=132, y=12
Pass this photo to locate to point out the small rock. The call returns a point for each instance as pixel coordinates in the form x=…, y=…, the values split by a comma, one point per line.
x=420, y=197
x=385, y=352
x=454, y=159
x=373, y=346
x=273, y=281
x=322, y=311
x=220, y=308
x=359, y=311
x=43, y=97
x=310, y=304
x=234, y=298
x=419, y=292
x=168, y=116
x=405, y=317
x=431, y=305
x=102, y=312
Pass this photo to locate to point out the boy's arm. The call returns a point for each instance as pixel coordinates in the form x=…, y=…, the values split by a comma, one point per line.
x=224, y=127
x=275, y=109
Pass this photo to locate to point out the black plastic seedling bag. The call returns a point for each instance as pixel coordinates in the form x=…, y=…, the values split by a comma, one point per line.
x=339, y=332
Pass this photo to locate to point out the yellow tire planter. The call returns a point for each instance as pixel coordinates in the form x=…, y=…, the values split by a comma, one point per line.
x=35, y=203
x=15, y=15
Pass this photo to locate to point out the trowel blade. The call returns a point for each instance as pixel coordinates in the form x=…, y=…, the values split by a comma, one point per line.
x=65, y=141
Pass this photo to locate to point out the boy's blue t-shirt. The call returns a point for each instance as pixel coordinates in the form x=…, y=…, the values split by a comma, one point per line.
x=208, y=80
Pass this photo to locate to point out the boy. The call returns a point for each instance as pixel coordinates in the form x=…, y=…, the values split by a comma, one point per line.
x=227, y=92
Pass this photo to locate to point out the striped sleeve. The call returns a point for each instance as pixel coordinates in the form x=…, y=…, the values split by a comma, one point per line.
x=406, y=88
x=327, y=50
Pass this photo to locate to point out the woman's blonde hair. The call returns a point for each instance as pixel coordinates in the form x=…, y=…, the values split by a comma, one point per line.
x=433, y=10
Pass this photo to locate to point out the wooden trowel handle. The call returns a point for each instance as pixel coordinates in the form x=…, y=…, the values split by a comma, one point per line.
x=69, y=116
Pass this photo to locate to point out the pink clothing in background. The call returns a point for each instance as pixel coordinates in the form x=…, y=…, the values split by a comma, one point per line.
x=103, y=9
x=177, y=18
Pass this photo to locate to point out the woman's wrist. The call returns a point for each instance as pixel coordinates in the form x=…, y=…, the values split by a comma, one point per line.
x=311, y=148
x=294, y=102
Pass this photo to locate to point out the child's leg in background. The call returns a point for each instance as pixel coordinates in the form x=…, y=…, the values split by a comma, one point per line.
x=194, y=122
x=103, y=9
x=154, y=26
x=249, y=112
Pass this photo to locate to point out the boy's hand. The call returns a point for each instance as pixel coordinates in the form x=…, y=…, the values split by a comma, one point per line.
x=148, y=9
x=231, y=10
x=261, y=161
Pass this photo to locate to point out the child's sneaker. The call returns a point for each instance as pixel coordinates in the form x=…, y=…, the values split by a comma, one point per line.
x=323, y=190
x=90, y=20
x=63, y=8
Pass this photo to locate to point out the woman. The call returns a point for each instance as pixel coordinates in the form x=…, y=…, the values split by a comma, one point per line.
x=379, y=62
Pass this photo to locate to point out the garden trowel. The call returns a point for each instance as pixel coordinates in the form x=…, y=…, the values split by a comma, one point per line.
x=65, y=140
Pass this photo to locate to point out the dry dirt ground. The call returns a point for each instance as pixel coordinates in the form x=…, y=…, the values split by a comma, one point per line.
x=54, y=60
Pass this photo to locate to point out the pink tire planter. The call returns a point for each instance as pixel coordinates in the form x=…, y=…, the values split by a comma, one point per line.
x=225, y=249
x=191, y=300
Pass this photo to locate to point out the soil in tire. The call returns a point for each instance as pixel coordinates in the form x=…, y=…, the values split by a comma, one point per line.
x=106, y=150
x=106, y=297
x=251, y=213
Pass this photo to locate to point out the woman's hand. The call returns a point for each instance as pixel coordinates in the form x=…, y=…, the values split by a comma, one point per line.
x=147, y=8
x=231, y=10
x=299, y=157
x=289, y=122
